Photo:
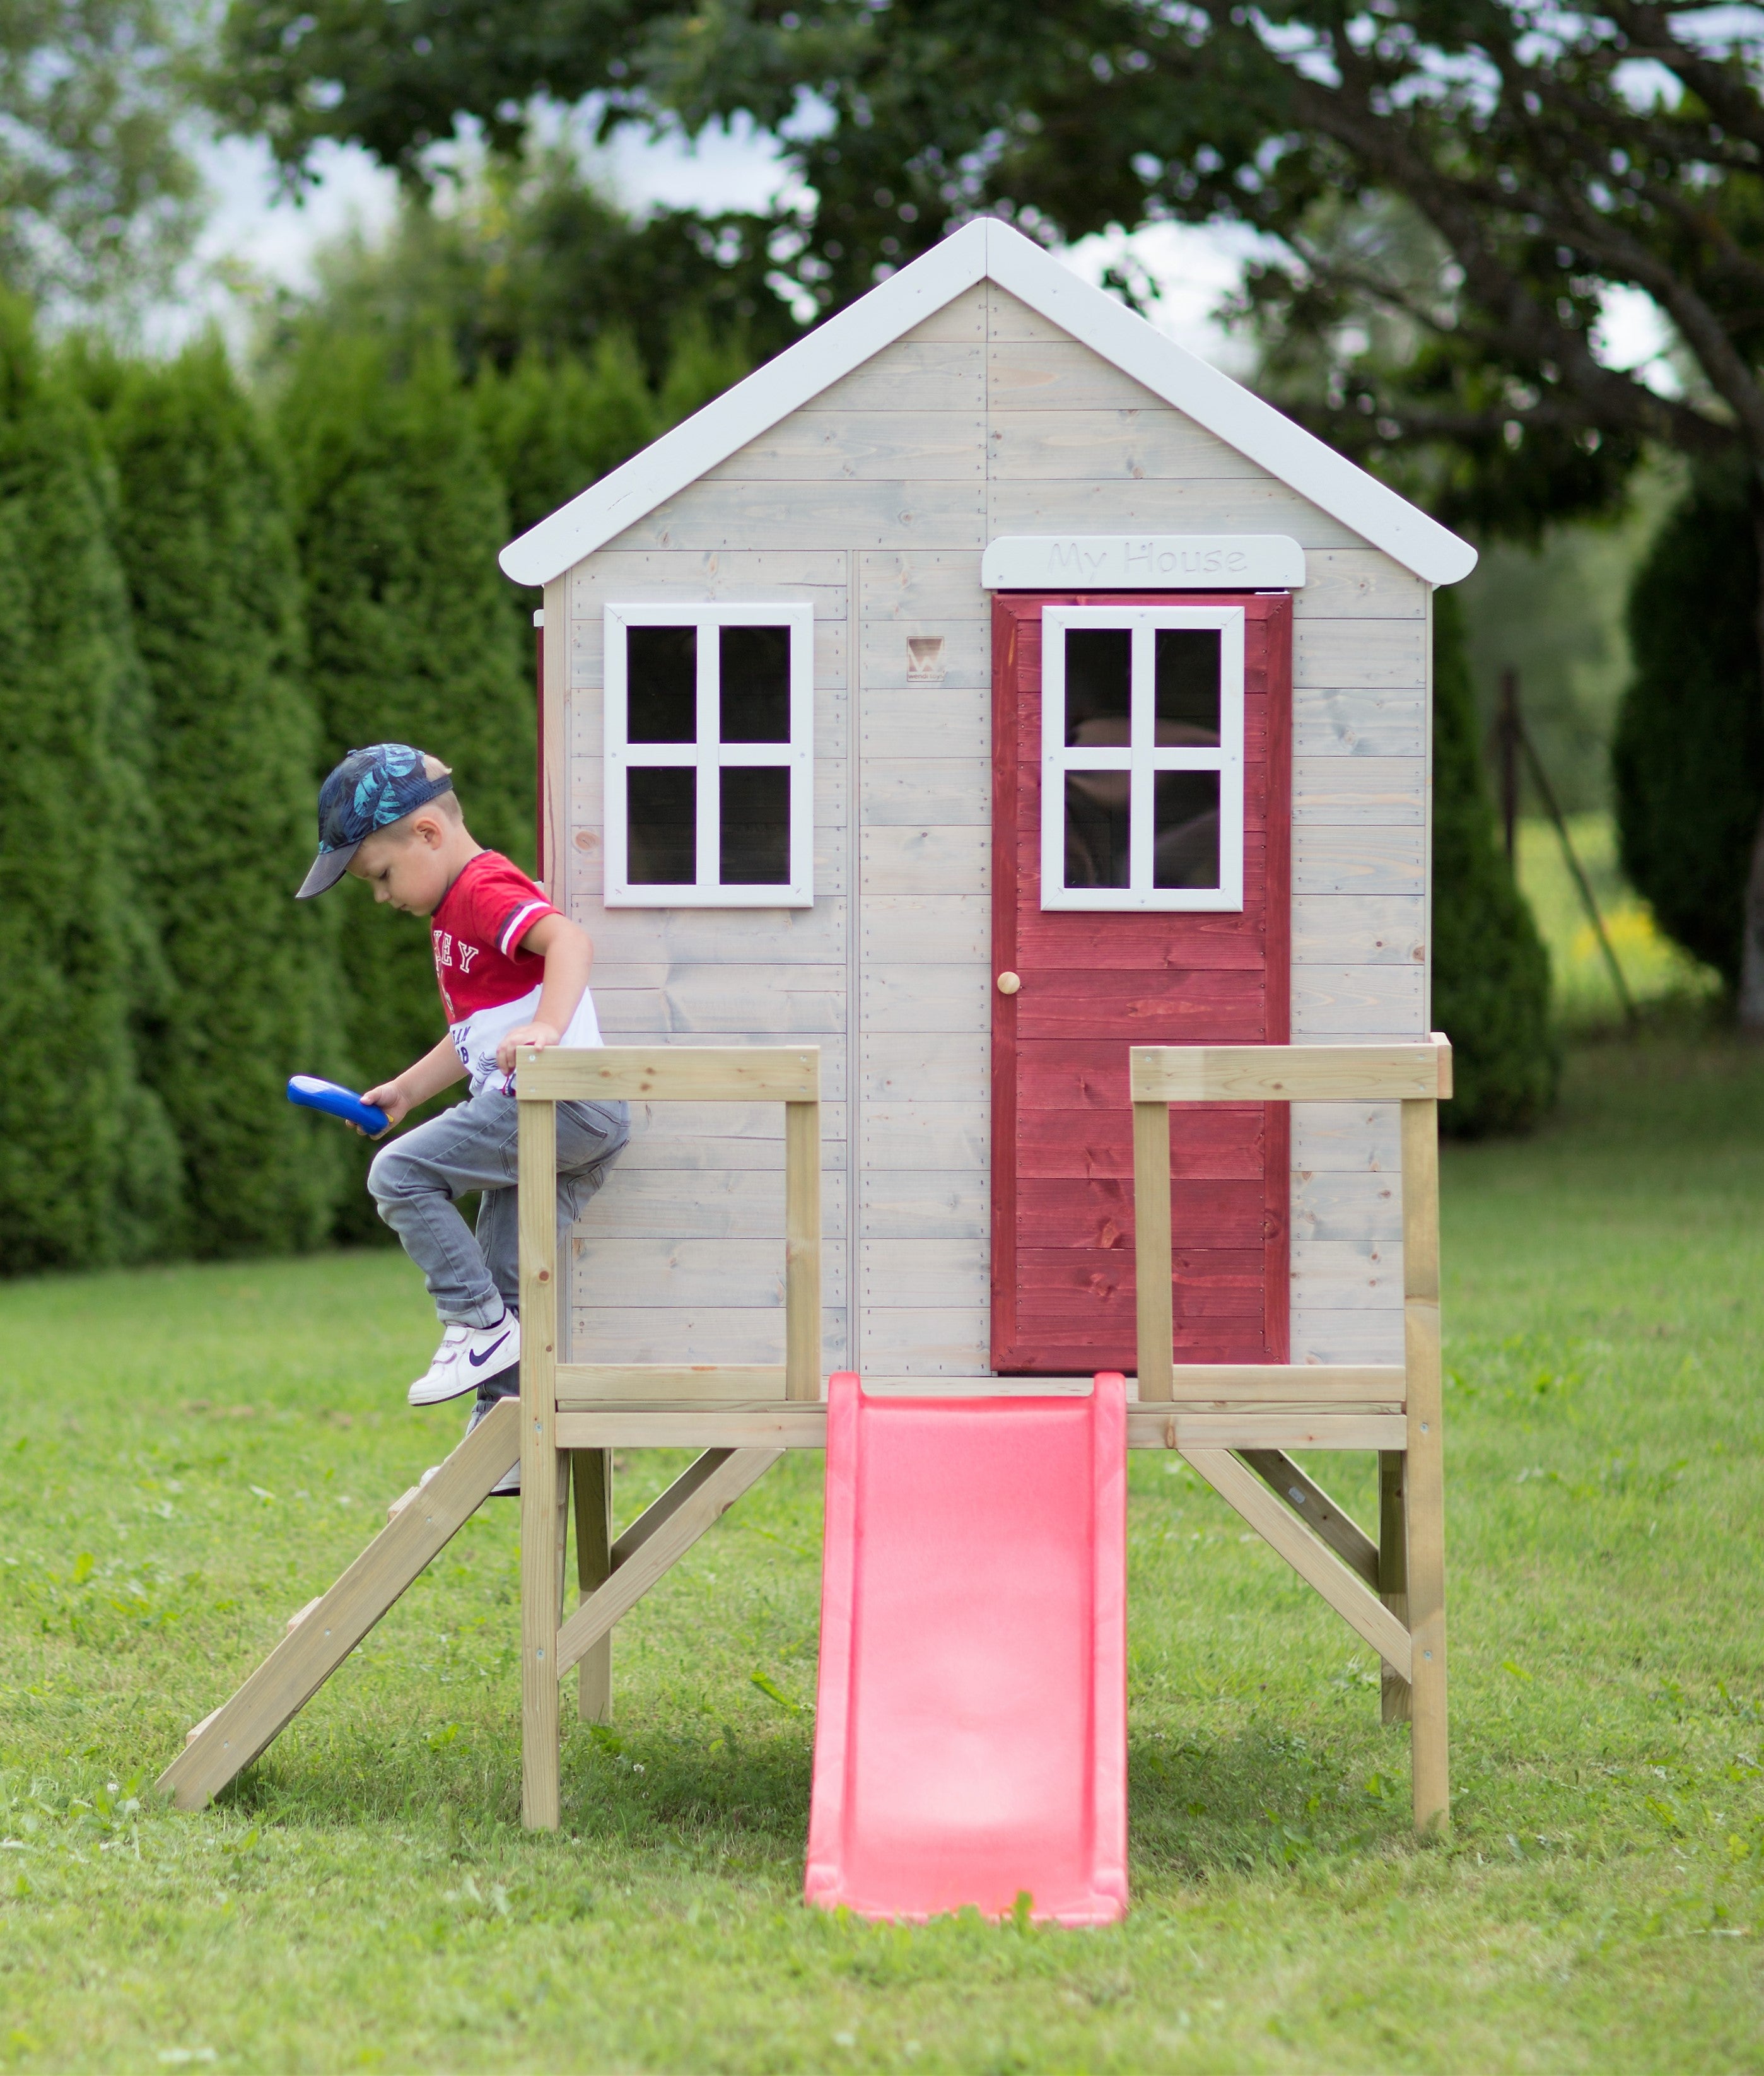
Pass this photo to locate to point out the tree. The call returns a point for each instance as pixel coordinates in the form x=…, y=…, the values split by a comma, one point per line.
x=206, y=544
x=89, y=1171
x=1548, y=157
x=399, y=517
x=1688, y=756
x=529, y=257
x=98, y=194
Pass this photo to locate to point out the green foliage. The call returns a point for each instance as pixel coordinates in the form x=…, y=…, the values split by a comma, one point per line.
x=99, y=196
x=1664, y=981
x=1432, y=251
x=551, y=428
x=88, y=1168
x=1491, y=972
x=400, y=515
x=702, y=363
x=205, y=537
x=1688, y=758
x=531, y=256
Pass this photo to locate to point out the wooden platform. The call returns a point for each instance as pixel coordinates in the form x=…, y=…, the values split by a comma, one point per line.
x=1235, y=1425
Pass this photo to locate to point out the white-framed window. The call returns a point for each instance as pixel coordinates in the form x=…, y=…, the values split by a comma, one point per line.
x=1142, y=756
x=710, y=756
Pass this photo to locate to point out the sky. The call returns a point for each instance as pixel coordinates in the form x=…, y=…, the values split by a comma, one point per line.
x=1195, y=267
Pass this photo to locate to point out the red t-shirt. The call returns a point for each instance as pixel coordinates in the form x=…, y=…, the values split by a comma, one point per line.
x=476, y=933
x=489, y=987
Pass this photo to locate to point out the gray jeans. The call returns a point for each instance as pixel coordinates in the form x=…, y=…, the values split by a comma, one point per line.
x=416, y=1181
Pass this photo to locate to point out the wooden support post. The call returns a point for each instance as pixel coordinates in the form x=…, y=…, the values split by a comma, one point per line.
x=1507, y=744
x=540, y=1479
x=710, y=1499
x=1424, y=1479
x=591, y=1474
x=1152, y=1258
x=1393, y=1572
x=802, y=1250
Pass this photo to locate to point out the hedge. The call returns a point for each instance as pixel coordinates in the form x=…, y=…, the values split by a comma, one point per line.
x=1491, y=971
x=400, y=514
x=206, y=542
x=89, y=1172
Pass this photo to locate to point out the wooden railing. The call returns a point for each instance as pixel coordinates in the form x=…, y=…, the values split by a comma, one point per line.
x=1392, y=1592
x=611, y=1579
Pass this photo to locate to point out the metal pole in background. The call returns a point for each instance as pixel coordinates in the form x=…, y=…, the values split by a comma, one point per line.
x=1507, y=745
x=1515, y=738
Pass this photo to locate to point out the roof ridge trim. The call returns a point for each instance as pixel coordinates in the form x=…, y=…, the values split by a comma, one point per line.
x=989, y=248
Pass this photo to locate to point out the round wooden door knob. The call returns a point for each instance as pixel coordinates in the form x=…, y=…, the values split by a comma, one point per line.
x=1009, y=983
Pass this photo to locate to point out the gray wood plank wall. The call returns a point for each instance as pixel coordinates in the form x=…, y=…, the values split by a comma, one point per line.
x=874, y=502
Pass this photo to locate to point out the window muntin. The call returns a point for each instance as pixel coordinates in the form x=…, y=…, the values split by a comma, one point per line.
x=709, y=758
x=1141, y=757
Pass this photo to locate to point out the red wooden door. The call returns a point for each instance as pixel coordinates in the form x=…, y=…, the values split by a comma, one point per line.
x=1098, y=979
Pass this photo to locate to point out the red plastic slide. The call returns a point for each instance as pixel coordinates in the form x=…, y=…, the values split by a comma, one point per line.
x=971, y=1741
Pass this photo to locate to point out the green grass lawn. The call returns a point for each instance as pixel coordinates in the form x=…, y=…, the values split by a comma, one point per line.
x=190, y=1454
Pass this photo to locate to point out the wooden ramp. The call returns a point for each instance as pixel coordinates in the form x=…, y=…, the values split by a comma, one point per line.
x=323, y=1635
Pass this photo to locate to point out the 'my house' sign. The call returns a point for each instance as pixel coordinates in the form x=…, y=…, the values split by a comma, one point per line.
x=1164, y=561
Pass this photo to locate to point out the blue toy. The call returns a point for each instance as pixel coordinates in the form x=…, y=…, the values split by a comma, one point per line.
x=336, y=1101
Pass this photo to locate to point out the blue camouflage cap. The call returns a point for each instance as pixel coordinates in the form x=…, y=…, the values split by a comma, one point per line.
x=370, y=790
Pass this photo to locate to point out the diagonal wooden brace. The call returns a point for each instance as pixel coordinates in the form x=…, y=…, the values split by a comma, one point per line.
x=711, y=1492
x=1318, y=1512
x=666, y=1504
x=1314, y=1561
x=224, y=1743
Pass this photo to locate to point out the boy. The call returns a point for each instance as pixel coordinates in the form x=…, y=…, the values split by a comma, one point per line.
x=513, y=972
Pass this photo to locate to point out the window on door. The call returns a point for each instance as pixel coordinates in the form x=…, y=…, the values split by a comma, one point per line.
x=710, y=756
x=1141, y=757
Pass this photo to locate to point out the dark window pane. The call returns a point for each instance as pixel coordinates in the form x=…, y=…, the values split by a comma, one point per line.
x=661, y=684
x=755, y=684
x=1187, y=688
x=662, y=826
x=755, y=826
x=1099, y=687
x=1185, y=830
x=1098, y=807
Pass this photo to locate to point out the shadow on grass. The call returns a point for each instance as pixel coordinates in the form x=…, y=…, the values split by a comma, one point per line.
x=629, y=1785
x=1199, y=1809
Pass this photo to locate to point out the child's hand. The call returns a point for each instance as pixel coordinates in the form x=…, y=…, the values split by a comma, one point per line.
x=390, y=1097
x=529, y=1036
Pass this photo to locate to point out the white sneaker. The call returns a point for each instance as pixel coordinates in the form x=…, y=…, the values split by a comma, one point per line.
x=466, y=1353
x=508, y=1486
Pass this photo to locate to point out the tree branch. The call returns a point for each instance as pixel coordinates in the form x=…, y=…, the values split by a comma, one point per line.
x=1729, y=100
x=1456, y=210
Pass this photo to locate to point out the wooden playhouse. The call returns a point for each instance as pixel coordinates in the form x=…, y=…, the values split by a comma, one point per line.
x=983, y=689
x=989, y=750
x=1070, y=698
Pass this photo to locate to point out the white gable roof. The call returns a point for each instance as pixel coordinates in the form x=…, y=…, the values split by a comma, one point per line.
x=985, y=249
